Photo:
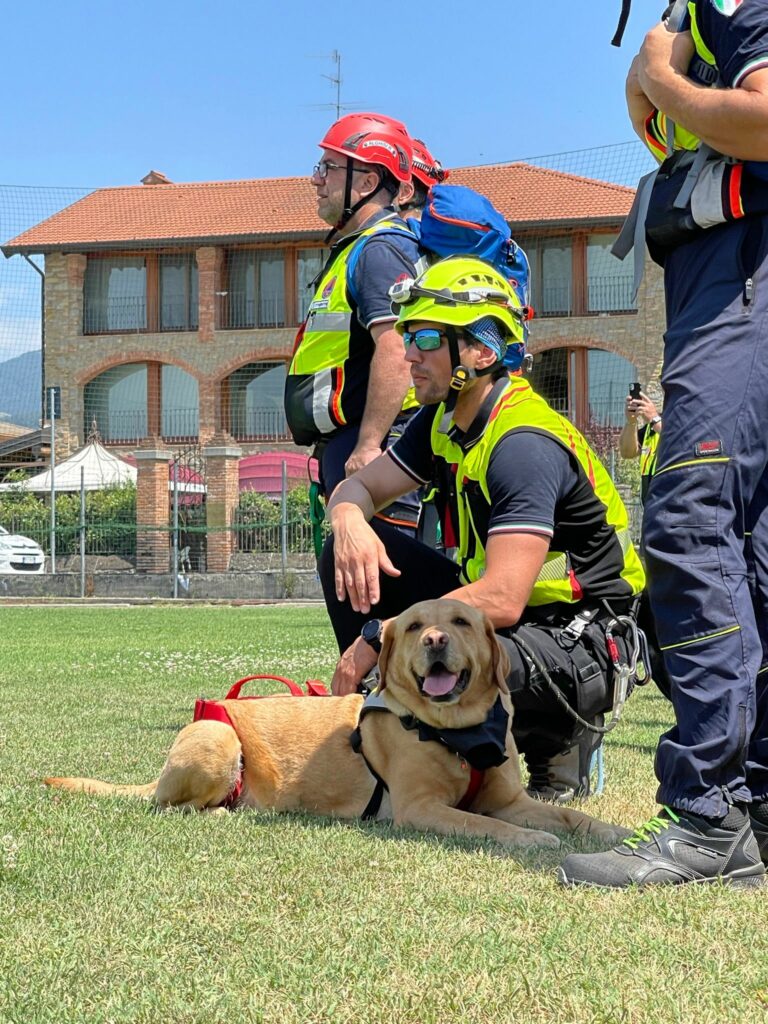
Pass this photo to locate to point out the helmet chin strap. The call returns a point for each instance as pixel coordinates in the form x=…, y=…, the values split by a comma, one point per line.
x=460, y=377
x=350, y=211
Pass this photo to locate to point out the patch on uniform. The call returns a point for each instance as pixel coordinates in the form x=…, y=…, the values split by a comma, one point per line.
x=705, y=449
x=727, y=7
x=328, y=288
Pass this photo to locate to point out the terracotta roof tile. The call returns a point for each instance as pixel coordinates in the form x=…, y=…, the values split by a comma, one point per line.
x=218, y=211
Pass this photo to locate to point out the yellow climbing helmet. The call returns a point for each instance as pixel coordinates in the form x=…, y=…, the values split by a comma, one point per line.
x=459, y=290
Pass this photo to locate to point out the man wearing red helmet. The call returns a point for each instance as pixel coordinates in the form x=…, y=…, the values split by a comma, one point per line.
x=347, y=384
x=426, y=171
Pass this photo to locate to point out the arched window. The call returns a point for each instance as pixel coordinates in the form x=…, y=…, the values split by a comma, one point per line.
x=116, y=402
x=252, y=400
x=180, y=405
x=130, y=401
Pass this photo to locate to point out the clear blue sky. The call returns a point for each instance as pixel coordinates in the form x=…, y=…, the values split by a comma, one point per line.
x=97, y=92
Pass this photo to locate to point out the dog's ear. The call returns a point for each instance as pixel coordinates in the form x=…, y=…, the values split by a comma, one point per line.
x=387, y=643
x=500, y=662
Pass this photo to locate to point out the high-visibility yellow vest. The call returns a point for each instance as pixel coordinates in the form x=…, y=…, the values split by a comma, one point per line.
x=649, y=449
x=564, y=576
x=327, y=379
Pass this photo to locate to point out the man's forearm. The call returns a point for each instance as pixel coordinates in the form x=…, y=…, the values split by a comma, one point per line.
x=387, y=385
x=350, y=499
x=732, y=121
x=486, y=599
x=628, y=446
x=639, y=106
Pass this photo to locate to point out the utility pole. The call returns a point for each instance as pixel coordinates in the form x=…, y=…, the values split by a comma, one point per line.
x=336, y=80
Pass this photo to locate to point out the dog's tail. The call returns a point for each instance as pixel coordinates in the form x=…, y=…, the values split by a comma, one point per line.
x=97, y=788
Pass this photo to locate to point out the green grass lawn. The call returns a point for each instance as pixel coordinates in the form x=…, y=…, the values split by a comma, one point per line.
x=110, y=912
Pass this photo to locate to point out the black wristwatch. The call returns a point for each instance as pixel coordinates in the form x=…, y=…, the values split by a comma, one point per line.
x=371, y=633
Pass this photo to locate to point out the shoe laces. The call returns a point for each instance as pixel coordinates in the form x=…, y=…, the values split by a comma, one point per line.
x=653, y=827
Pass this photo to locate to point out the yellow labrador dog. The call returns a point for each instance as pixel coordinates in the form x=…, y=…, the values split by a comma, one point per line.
x=443, y=705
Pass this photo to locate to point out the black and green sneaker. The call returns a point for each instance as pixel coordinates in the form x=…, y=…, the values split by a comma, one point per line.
x=760, y=830
x=672, y=848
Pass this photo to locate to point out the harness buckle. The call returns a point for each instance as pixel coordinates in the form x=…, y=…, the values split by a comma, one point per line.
x=571, y=634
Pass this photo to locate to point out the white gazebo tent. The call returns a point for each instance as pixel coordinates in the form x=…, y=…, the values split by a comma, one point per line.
x=97, y=468
x=101, y=470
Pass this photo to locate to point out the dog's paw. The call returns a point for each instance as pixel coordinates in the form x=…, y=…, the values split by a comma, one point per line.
x=532, y=837
x=603, y=831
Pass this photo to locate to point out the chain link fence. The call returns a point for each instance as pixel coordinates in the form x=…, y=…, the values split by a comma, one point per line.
x=128, y=322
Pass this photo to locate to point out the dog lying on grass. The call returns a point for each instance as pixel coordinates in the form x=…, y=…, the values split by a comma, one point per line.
x=443, y=683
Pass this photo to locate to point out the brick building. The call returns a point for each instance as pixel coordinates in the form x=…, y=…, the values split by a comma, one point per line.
x=171, y=309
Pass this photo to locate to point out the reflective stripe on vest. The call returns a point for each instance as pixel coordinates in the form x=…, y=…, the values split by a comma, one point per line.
x=323, y=345
x=519, y=407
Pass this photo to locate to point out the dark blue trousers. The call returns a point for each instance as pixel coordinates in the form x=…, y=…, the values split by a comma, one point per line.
x=705, y=528
x=403, y=513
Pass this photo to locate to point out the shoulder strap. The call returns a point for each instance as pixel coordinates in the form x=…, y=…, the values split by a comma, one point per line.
x=360, y=243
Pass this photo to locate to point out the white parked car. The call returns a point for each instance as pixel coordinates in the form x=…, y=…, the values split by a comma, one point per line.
x=20, y=554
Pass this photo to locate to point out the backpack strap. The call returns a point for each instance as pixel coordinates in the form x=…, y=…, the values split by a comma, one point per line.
x=360, y=243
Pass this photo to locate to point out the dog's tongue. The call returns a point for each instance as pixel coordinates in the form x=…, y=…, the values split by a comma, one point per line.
x=439, y=682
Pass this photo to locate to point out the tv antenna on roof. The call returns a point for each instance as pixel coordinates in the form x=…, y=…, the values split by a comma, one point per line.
x=335, y=80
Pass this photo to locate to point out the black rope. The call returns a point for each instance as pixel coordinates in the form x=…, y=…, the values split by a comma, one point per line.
x=623, y=18
x=558, y=693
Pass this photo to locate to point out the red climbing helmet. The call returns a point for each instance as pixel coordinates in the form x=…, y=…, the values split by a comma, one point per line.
x=424, y=167
x=372, y=139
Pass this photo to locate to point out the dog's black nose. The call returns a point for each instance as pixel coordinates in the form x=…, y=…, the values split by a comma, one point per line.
x=435, y=640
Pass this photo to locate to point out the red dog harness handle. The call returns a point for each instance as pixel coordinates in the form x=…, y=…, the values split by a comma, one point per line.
x=215, y=710
x=314, y=688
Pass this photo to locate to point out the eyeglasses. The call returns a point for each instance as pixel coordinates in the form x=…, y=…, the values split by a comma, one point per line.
x=428, y=339
x=320, y=170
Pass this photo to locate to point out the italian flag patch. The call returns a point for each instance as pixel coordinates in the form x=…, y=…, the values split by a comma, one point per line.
x=727, y=7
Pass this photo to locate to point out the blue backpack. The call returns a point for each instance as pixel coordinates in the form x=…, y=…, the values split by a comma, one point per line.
x=457, y=221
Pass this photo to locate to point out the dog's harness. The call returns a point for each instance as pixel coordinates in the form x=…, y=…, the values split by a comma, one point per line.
x=214, y=710
x=480, y=747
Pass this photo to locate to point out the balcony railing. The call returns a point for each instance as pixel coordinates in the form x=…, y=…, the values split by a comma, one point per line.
x=180, y=424
x=178, y=315
x=610, y=294
x=258, y=425
x=124, y=314
x=604, y=295
x=131, y=427
x=118, y=427
x=240, y=310
x=553, y=300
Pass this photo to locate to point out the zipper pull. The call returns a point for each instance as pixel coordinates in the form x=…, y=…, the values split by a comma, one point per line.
x=749, y=290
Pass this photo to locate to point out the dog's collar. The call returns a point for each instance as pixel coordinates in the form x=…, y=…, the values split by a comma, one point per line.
x=482, y=746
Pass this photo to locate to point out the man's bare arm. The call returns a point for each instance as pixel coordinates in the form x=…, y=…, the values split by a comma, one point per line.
x=513, y=562
x=388, y=383
x=639, y=106
x=732, y=121
x=628, y=446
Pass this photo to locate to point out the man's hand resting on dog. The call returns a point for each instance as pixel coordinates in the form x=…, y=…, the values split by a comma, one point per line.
x=352, y=667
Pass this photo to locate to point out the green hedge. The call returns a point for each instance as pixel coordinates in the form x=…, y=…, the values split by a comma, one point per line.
x=110, y=519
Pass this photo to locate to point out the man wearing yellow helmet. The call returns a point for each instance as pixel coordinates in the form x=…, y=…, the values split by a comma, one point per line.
x=538, y=533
